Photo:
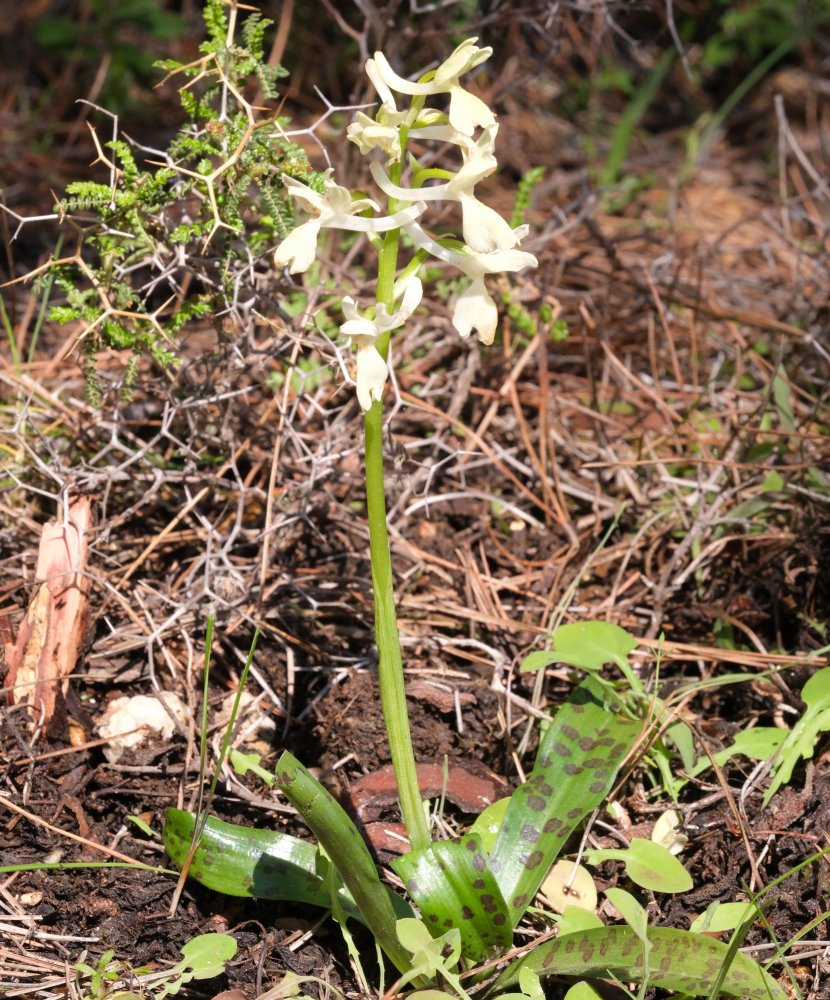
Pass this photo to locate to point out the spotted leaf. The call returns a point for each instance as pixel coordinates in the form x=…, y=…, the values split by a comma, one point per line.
x=678, y=960
x=575, y=768
x=453, y=886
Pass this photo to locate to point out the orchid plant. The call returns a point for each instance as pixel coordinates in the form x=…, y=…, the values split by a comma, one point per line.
x=470, y=893
x=489, y=246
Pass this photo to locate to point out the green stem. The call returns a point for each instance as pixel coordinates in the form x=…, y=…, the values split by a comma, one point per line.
x=390, y=665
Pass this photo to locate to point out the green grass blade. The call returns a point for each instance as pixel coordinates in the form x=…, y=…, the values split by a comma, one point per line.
x=453, y=886
x=623, y=133
x=678, y=960
x=342, y=842
x=575, y=768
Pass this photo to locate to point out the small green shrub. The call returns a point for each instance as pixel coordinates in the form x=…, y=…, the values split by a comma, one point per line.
x=181, y=234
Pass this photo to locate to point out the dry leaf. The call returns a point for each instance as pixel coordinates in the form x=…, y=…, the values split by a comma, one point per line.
x=50, y=635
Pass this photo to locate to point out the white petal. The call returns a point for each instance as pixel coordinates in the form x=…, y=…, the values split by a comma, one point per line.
x=371, y=375
x=439, y=192
x=484, y=229
x=413, y=290
x=312, y=201
x=369, y=135
x=475, y=310
x=299, y=248
x=386, y=75
x=468, y=111
x=339, y=200
x=349, y=307
x=476, y=265
x=360, y=327
x=356, y=325
x=385, y=94
x=359, y=224
x=465, y=57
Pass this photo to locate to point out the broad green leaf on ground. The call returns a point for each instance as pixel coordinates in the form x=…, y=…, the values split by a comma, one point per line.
x=575, y=767
x=679, y=961
x=582, y=991
x=757, y=743
x=800, y=741
x=266, y=864
x=636, y=918
x=204, y=958
x=207, y=954
x=431, y=958
x=679, y=734
x=453, y=886
x=576, y=919
x=240, y=861
x=648, y=864
x=590, y=645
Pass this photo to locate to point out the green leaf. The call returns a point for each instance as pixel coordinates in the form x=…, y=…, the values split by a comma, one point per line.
x=800, y=741
x=432, y=958
x=636, y=918
x=679, y=961
x=758, y=743
x=207, y=954
x=538, y=660
x=782, y=394
x=582, y=991
x=488, y=822
x=575, y=768
x=681, y=737
x=204, y=957
x=590, y=645
x=575, y=918
x=453, y=886
x=266, y=864
x=649, y=865
x=720, y=917
x=773, y=482
x=144, y=827
x=242, y=763
x=342, y=842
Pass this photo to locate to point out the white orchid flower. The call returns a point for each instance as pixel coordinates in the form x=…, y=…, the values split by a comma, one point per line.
x=484, y=229
x=466, y=112
x=371, y=368
x=475, y=308
x=334, y=209
x=368, y=134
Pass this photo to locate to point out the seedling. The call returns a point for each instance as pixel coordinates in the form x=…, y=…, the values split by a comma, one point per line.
x=204, y=957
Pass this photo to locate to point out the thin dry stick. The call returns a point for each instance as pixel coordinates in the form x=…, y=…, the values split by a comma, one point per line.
x=757, y=881
x=109, y=851
x=223, y=468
